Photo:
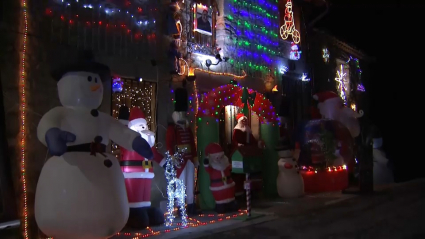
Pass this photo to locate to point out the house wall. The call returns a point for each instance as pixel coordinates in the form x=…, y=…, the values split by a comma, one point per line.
x=324, y=74
x=45, y=52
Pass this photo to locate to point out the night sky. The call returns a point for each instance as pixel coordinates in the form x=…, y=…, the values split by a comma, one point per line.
x=390, y=32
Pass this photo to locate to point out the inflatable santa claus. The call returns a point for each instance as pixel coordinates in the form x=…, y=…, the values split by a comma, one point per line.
x=242, y=136
x=222, y=186
x=138, y=174
x=332, y=107
x=179, y=137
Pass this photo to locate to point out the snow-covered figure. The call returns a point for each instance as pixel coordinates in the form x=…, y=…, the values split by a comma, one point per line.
x=220, y=171
x=138, y=173
x=382, y=174
x=81, y=191
x=332, y=107
x=179, y=136
x=290, y=183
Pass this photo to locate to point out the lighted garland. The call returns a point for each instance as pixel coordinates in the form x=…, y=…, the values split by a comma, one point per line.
x=253, y=20
x=134, y=94
x=175, y=188
x=215, y=100
x=310, y=169
x=223, y=73
x=136, y=15
x=22, y=83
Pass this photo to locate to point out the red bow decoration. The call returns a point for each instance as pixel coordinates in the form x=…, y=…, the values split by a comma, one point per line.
x=96, y=148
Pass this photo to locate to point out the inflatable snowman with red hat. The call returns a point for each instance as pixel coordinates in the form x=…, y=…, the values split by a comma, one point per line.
x=222, y=186
x=332, y=107
x=138, y=173
x=179, y=137
x=290, y=183
x=81, y=190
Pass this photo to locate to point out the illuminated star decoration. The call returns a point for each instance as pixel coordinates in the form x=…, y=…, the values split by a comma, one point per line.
x=325, y=55
x=342, y=81
x=175, y=188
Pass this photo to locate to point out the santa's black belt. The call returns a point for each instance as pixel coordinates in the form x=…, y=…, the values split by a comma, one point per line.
x=136, y=163
x=86, y=148
x=220, y=180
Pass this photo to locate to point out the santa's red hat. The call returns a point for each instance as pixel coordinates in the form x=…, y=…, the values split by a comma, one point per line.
x=240, y=117
x=213, y=148
x=324, y=96
x=137, y=117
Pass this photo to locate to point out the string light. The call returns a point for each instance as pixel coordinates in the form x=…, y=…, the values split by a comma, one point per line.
x=223, y=73
x=304, y=77
x=295, y=53
x=361, y=88
x=251, y=26
x=134, y=94
x=288, y=28
x=137, y=18
x=183, y=63
x=311, y=170
x=325, y=55
x=175, y=188
x=22, y=83
x=342, y=81
x=219, y=97
x=200, y=220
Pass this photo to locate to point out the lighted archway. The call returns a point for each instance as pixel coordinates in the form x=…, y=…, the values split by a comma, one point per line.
x=220, y=97
x=207, y=124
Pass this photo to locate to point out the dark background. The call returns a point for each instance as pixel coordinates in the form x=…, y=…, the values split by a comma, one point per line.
x=392, y=33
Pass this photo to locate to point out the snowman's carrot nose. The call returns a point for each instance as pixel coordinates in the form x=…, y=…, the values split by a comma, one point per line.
x=94, y=87
x=288, y=166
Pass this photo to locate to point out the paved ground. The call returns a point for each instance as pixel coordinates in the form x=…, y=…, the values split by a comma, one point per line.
x=396, y=213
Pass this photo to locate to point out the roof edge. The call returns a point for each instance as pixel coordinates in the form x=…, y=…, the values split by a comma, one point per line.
x=349, y=48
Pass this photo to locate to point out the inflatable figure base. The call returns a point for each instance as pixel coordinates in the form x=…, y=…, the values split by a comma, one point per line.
x=324, y=181
x=227, y=207
x=143, y=217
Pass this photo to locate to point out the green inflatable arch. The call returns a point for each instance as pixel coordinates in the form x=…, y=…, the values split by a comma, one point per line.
x=207, y=124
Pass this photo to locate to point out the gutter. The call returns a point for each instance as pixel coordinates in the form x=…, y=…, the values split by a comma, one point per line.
x=321, y=15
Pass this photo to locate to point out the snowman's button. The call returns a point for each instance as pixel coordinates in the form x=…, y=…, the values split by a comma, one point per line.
x=94, y=113
x=107, y=163
x=98, y=139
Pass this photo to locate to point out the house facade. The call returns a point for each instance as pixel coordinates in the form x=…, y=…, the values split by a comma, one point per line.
x=260, y=45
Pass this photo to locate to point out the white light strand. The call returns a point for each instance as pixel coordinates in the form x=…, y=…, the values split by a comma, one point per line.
x=342, y=81
x=175, y=188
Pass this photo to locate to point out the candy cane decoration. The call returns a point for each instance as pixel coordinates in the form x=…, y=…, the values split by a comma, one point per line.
x=248, y=195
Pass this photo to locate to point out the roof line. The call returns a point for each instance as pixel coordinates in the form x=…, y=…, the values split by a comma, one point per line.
x=347, y=47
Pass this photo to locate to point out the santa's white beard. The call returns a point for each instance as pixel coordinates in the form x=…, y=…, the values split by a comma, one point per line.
x=244, y=128
x=350, y=122
x=221, y=165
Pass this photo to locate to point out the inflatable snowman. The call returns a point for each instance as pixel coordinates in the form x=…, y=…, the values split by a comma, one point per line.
x=382, y=174
x=81, y=191
x=290, y=183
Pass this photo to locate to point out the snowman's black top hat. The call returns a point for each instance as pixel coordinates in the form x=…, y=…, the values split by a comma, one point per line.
x=283, y=145
x=85, y=63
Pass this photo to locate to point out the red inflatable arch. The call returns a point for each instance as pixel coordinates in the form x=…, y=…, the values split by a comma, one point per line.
x=215, y=100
